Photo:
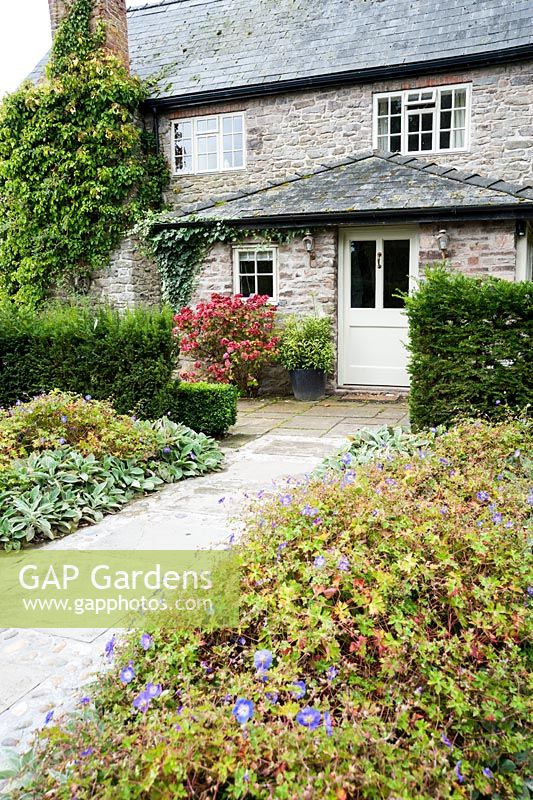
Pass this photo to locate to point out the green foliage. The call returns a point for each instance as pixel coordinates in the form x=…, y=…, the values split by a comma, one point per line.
x=66, y=461
x=179, y=252
x=398, y=594
x=127, y=357
x=369, y=445
x=76, y=170
x=306, y=343
x=210, y=408
x=470, y=344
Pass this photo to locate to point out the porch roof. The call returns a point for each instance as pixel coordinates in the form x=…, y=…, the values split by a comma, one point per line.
x=375, y=186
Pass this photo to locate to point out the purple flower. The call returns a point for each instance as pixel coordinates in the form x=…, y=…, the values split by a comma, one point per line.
x=285, y=499
x=390, y=481
x=497, y=403
x=317, y=521
x=281, y=547
x=127, y=674
x=309, y=511
x=167, y=450
x=348, y=478
x=457, y=770
x=299, y=689
x=88, y=397
x=262, y=675
x=530, y=591
x=146, y=641
x=110, y=648
x=328, y=723
x=309, y=718
x=343, y=564
x=272, y=697
x=49, y=717
x=62, y=441
x=142, y=702
x=483, y=496
x=153, y=690
x=487, y=773
x=221, y=499
x=497, y=518
x=63, y=419
x=243, y=710
x=331, y=673
x=444, y=739
x=319, y=562
x=347, y=459
x=87, y=752
x=508, y=524
x=84, y=701
x=443, y=510
x=529, y=498
x=263, y=659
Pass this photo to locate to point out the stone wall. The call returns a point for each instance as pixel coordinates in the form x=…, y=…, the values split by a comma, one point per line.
x=485, y=248
x=294, y=132
x=130, y=279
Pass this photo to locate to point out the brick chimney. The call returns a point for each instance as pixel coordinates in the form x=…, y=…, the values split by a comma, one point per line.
x=111, y=12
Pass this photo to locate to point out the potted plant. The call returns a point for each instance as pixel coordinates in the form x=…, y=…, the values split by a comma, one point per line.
x=306, y=351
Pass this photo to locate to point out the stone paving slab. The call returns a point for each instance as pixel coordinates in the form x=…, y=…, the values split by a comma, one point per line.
x=41, y=670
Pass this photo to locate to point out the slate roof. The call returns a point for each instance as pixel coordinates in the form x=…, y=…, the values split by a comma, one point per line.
x=368, y=184
x=207, y=45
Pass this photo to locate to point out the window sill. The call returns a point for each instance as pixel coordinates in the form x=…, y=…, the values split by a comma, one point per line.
x=208, y=172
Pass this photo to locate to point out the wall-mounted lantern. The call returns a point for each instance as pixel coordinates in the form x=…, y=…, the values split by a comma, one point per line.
x=443, y=241
x=309, y=243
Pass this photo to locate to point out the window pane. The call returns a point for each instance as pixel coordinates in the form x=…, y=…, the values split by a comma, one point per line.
x=446, y=120
x=413, y=122
x=427, y=141
x=427, y=122
x=238, y=159
x=363, y=274
x=383, y=106
x=458, y=138
x=395, y=144
x=237, y=124
x=247, y=267
x=396, y=125
x=395, y=271
x=396, y=105
x=209, y=125
x=383, y=126
x=265, y=285
x=445, y=140
x=412, y=143
x=460, y=98
x=227, y=125
x=446, y=99
x=183, y=147
x=247, y=285
x=459, y=118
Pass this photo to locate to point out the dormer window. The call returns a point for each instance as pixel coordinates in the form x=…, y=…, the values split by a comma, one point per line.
x=423, y=120
x=208, y=144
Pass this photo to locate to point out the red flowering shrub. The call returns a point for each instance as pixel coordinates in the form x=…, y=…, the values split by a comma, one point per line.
x=229, y=339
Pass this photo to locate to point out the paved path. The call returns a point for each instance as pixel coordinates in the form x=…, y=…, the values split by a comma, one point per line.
x=44, y=670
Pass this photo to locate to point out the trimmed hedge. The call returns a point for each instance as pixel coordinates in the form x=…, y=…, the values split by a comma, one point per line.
x=470, y=344
x=209, y=408
x=126, y=357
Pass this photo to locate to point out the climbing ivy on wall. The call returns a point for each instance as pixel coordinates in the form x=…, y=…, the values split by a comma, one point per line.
x=179, y=252
x=76, y=168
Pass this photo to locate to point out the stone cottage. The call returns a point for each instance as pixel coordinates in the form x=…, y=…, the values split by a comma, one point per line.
x=391, y=133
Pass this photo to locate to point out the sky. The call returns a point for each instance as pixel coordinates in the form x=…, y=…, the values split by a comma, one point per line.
x=24, y=38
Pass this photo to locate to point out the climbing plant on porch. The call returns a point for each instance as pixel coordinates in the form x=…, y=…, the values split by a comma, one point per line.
x=76, y=168
x=179, y=251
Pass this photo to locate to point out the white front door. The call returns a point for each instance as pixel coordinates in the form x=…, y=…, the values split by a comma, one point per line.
x=374, y=265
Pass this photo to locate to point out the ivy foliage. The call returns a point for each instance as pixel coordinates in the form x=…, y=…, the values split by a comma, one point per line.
x=179, y=252
x=76, y=169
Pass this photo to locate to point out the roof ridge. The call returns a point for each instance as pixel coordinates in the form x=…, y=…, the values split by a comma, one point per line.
x=443, y=171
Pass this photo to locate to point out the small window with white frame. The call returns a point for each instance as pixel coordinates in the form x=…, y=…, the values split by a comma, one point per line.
x=255, y=270
x=208, y=144
x=435, y=120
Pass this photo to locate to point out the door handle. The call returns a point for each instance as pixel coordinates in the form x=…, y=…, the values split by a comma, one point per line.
x=379, y=260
